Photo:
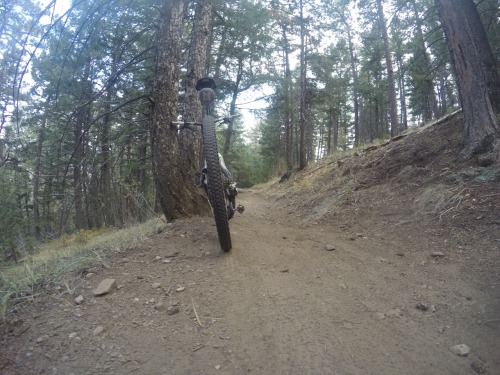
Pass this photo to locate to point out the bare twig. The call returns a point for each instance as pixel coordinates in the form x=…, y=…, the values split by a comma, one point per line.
x=198, y=347
x=346, y=348
x=196, y=314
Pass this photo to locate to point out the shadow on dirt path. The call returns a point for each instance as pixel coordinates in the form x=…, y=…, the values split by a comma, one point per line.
x=288, y=299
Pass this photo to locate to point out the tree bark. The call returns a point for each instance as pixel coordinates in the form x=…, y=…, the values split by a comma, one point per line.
x=189, y=192
x=165, y=92
x=477, y=77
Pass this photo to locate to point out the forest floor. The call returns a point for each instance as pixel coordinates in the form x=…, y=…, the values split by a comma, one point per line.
x=378, y=261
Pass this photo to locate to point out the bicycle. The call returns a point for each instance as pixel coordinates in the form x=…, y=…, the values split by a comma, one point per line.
x=215, y=178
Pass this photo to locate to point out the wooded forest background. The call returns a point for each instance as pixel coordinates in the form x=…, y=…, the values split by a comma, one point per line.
x=88, y=93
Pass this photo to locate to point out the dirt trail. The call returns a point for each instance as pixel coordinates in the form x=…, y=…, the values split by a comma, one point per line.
x=278, y=303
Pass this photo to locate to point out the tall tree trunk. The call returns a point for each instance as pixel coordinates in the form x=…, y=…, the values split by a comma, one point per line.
x=108, y=209
x=141, y=170
x=402, y=95
x=335, y=130
x=165, y=92
x=303, y=72
x=81, y=122
x=37, y=178
x=391, y=87
x=47, y=202
x=429, y=98
x=329, y=132
x=288, y=98
x=220, y=53
x=77, y=171
x=477, y=76
x=442, y=96
x=189, y=192
x=309, y=127
x=355, y=86
x=232, y=107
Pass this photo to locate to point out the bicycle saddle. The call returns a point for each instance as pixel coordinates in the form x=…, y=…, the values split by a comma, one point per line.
x=205, y=83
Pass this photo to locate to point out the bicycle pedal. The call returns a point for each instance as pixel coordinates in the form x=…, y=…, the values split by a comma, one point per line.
x=240, y=208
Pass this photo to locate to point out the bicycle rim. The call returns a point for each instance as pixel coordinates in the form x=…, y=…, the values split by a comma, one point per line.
x=216, y=193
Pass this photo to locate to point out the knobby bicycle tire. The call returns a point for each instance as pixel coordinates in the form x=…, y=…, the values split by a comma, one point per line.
x=215, y=184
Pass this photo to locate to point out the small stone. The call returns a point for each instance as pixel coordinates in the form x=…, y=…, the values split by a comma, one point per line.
x=330, y=247
x=172, y=309
x=438, y=254
x=158, y=257
x=79, y=299
x=380, y=316
x=155, y=285
x=77, y=312
x=72, y=335
x=167, y=261
x=393, y=312
x=422, y=306
x=217, y=367
x=98, y=330
x=486, y=160
x=461, y=350
x=105, y=287
x=159, y=306
x=42, y=339
x=125, y=260
x=180, y=288
x=478, y=368
x=347, y=325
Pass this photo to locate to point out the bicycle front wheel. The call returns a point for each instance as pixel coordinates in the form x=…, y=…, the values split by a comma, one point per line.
x=216, y=194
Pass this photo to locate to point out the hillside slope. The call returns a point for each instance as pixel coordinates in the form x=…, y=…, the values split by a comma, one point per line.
x=412, y=187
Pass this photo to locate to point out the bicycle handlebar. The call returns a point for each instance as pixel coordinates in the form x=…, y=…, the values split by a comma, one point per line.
x=189, y=125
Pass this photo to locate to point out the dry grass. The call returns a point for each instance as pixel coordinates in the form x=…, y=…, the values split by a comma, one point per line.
x=438, y=200
x=57, y=259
